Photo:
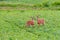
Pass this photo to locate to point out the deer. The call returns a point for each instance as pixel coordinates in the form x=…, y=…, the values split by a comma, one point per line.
x=40, y=21
x=30, y=22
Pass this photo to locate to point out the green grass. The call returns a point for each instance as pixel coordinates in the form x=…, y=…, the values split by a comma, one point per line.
x=12, y=25
x=38, y=3
x=32, y=1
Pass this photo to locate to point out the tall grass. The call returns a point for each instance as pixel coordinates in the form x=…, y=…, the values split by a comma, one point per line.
x=12, y=25
x=47, y=4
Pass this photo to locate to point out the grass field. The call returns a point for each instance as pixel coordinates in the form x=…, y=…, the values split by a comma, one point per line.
x=32, y=1
x=15, y=13
x=12, y=25
x=30, y=4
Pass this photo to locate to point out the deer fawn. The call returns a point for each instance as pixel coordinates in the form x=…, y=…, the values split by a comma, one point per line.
x=40, y=21
x=30, y=22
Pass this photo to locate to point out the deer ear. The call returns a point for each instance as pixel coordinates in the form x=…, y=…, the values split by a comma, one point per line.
x=38, y=15
x=31, y=17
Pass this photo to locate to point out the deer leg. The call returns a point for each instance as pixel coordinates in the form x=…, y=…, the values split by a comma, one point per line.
x=38, y=25
x=42, y=23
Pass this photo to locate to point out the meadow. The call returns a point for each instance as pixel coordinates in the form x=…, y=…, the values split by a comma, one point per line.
x=12, y=25
x=15, y=13
x=31, y=3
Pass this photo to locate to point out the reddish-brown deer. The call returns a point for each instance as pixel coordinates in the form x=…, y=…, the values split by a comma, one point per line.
x=40, y=21
x=30, y=22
